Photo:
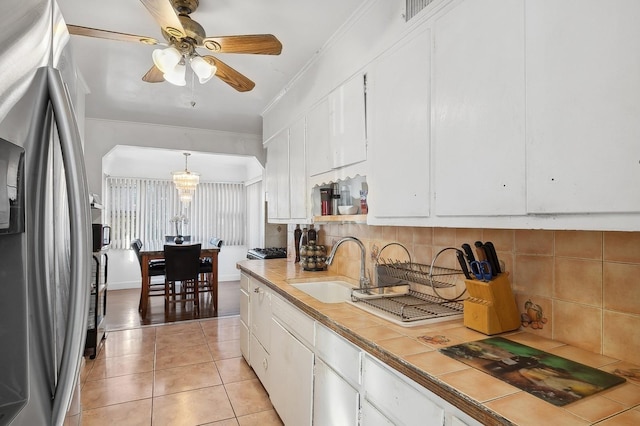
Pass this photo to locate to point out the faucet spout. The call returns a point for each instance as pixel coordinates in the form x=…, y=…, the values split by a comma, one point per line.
x=364, y=281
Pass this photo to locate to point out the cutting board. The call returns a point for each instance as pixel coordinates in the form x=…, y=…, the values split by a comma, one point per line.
x=554, y=379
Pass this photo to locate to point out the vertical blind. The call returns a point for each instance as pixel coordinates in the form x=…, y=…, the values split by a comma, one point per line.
x=144, y=208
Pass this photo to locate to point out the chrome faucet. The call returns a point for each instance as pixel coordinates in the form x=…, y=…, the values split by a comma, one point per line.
x=364, y=281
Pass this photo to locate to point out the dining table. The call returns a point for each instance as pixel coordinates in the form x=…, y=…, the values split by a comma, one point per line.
x=155, y=250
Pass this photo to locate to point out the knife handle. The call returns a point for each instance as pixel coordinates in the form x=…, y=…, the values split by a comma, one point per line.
x=463, y=264
x=467, y=251
x=493, y=257
x=480, y=251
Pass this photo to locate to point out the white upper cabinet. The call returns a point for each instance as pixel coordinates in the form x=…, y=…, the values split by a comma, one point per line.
x=336, y=128
x=286, y=174
x=277, y=176
x=398, y=100
x=299, y=198
x=583, y=106
x=347, y=122
x=479, y=109
x=319, y=154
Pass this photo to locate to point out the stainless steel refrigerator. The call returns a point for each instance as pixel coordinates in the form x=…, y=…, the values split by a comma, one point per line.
x=44, y=218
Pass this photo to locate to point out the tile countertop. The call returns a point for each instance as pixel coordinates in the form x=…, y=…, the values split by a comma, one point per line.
x=413, y=351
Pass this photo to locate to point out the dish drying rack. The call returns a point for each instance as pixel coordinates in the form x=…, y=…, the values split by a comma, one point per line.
x=397, y=295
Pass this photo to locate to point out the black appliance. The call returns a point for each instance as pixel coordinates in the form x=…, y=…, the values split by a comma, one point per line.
x=267, y=253
x=101, y=236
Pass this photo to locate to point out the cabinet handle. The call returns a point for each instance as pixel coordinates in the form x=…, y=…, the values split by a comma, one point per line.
x=265, y=364
x=256, y=290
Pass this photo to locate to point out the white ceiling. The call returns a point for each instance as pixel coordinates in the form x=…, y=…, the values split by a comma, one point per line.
x=113, y=70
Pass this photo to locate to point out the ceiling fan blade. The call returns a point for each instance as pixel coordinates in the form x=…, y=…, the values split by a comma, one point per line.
x=165, y=15
x=230, y=76
x=110, y=35
x=154, y=75
x=261, y=44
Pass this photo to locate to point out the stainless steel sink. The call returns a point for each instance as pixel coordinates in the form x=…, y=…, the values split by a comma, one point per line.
x=330, y=291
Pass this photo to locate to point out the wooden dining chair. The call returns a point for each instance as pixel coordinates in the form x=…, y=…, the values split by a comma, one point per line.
x=206, y=269
x=182, y=264
x=156, y=269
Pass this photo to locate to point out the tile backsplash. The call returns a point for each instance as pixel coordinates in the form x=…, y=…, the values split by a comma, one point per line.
x=582, y=283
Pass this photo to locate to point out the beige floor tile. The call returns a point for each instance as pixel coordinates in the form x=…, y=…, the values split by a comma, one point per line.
x=223, y=333
x=263, y=418
x=188, y=338
x=121, y=366
x=115, y=390
x=134, y=413
x=595, y=408
x=142, y=333
x=248, y=397
x=524, y=409
x=176, y=356
x=182, y=327
x=234, y=370
x=193, y=407
x=227, y=422
x=479, y=386
x=115, y=348
x=187, y=377
x=224, y=350
x=436, y=363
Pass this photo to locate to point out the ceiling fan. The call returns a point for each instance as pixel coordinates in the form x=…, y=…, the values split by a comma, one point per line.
x=183, y=36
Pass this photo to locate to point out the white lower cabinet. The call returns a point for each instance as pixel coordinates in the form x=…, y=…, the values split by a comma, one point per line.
x=370, y=416
x=335, y=402
x=291, y=384
x=396, y=398
x=315, y=376
x=244, y=317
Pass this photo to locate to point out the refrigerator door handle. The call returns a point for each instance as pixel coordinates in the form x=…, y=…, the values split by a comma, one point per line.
x=80, y=244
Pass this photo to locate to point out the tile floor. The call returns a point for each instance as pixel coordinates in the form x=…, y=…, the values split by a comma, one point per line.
x=189, y=373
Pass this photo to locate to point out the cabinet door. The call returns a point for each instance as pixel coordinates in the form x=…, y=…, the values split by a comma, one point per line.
x=583, y=104
x=244, y=322
x=335, y=402
x=292, y=377
x=347, y=121
x=319, y=153
x=398, y=98
x=479, y=115
x=297, y=189
x=260, y=305
x=396, y=398
x=278, y=176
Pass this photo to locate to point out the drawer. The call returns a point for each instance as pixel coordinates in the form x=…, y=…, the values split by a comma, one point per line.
x=260, y=363
x=291, y=318
x=244, y=282
x=339, y=354
x=397, y=397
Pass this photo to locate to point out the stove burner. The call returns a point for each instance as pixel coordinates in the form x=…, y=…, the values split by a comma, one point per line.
x=267, y=253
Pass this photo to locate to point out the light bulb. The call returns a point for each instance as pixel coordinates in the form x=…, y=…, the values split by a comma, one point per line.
x=203, y=69
x=176, y=75
x=166, y=59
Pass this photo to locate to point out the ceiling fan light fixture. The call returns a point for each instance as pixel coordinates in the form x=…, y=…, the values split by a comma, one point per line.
x=177, y=75
x=203, y=69
x=166, y=59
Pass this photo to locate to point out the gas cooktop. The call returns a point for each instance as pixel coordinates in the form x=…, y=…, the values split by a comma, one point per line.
x=267, y=253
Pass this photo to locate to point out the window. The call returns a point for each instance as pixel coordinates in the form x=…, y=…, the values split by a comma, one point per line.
x=143, y=208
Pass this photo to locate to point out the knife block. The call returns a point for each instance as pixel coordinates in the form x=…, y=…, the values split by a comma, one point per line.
x=491, y=307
